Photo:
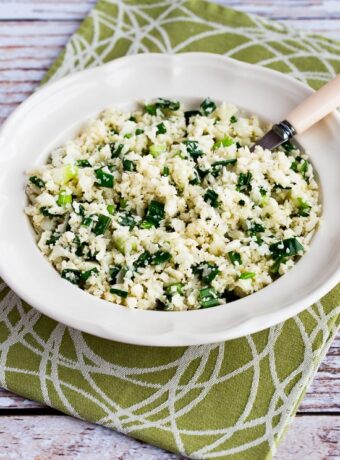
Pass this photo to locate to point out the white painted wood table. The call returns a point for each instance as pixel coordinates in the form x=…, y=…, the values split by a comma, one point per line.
x=32, y=33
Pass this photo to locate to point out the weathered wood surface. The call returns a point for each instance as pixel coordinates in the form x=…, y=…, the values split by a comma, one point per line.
x=51, y=437
x=32, y=33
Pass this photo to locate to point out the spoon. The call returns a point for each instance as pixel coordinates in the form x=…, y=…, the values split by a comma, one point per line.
x=305, y=115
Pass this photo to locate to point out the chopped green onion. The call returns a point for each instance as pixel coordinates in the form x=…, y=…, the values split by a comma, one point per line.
x=104, y=179
x=235, y=258
x=160, y=257
x=129, y=165
x=86, y=275
x=192, y=149
x=156, y=150
x=70, y=172
x=303, y=207
x=64, y=199
x=244, y=182
x=143, y=260
x=71, y=275
x=113, y=273
x=116, y=151
x=263, y=191
x=208, y=297
x=102, y=224
x=288, y=146
x=126, y=219
x=233, y=119
x=286, y=248
x=161, y=129
x=208, y=106
x=53, y=238
x=132, y=118
x=206, y=271
x=211, y=197
x=247, y=275
x=154, y=214
x=175, y=288
x=225, y=142
x=127, y=136
x=166, y=171
x=255, y=228
x=139, y=131
x=83, y=164
x=161, y=104
x=35, y=180
x=217, y=167
x=190, y=113
x=87, y=221
x=111, y=208
x=299, y=165
x=119, y=293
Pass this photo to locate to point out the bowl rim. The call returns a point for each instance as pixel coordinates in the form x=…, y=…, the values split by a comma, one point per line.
x=172, y=337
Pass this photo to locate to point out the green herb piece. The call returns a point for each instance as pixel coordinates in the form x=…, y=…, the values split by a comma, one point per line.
x=217, y=167
x=175, y=288
x=263, y=191
x=303, y=207
x=113, y=273
x=161, y=129
x=299, y=165
x=70, y=172
x=132, y=118
x=104, y=179
x=156, y=150
x=166, y=171
x=235, y=258
x=211, y=197
x=247, y=275
x=190, y=113
x=154, y=215
x=126, y=219
x=102, y=224
x=122, y=203
x=139, y=131
x=206, y=271
x=83, y=164
x=127, y=136
x=286, y=248
x=35, y=180
x=225, y=142
x=111, y=209
x=71, y=275
x=160, y=257
x=143, y=260
x=87, y=221
x=53, y=238
x=192, y=149
x=288, y=146
x=119, y=293
x=244, y=182
x=64, y=198
x=129, y=165
x=255, y=228
x=116, y=150
x=86, y=275
x=161, y=104
x=208, y=106
x=208, y=297
x=233, y=119
x=276, y=265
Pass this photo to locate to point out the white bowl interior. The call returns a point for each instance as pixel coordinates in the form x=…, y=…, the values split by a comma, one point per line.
x=56, y=112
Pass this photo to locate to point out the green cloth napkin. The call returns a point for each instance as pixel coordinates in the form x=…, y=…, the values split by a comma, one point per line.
x=230, y=400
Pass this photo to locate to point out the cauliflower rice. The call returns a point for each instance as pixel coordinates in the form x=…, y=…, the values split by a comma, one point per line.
x=169, y=210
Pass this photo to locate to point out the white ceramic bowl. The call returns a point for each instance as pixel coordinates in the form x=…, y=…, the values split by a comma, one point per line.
x=55, y=113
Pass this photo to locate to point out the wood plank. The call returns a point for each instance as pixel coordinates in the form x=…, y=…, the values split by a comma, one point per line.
x=21, y=437
x=76, y=9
